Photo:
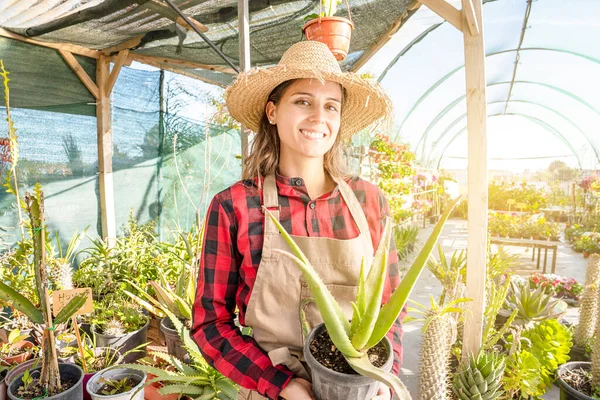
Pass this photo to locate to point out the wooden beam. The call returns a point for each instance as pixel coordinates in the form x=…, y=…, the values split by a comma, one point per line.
x=71, y=48
x=175, y=63
x=446, y=11
x=181, y=72
x=469, y=13
x=105, y=171
x=114, y=74
x=163, y=9
x=80, y=72
x=477, y=225
x=245, y=61
x=380, y=42
x=128, y=44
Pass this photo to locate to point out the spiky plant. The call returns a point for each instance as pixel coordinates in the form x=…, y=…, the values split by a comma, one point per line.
x=370, y=321
x=480, y=378
x=49, y=378
x=596, y=355
x=532, y=305
x=439, y=334
x=588, y=306
x=114, y=327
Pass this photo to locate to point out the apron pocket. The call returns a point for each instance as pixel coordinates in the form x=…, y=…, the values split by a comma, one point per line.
x=343, y=294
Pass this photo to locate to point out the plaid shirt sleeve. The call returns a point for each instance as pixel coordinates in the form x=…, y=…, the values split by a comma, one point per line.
x=396, y=333
x=222, y=344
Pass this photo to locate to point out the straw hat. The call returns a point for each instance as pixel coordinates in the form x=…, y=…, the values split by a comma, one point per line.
x=365, y=101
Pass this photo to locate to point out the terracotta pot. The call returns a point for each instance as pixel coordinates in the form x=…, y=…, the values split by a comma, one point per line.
x=19, y=358
x=335, y=32
x=586, y=254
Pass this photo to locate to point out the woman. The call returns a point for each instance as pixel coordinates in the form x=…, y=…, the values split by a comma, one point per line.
x=302, y=110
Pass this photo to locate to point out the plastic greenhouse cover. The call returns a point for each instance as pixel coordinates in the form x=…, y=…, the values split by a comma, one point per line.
x=550, y=108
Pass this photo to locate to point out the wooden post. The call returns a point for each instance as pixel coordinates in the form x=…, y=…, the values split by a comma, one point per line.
x=478, y=181
x=103, y=115
x=244, y=40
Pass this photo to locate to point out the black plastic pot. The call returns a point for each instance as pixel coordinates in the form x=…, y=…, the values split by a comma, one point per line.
x=125, y=342
x=331, y=385
x=175, y=345
x=2, y=386
x=566, y=391
x=577, y=353
x=67, y=372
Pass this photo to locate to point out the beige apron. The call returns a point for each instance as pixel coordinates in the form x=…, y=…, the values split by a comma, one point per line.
x=273, y=311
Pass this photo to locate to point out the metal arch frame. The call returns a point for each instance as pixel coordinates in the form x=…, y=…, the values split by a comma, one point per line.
x=538, y=121
x=454, y=71
x=452, y=104
x=456, y=121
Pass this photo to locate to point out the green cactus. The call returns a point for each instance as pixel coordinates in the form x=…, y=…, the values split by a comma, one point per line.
x=480, y=378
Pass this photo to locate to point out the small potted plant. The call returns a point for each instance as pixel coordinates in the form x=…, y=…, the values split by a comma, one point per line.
x=363, y=339
x=52, y=380
x=324, y=27
x=117, y=384
x=16, y=350
x=121, y=326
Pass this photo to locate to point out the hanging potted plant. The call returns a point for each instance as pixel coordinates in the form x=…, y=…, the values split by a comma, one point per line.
x=362, y=342
x=324, y=27
x=52, y=380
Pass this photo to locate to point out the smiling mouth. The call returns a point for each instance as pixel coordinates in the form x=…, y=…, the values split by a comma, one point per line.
x=313, y=135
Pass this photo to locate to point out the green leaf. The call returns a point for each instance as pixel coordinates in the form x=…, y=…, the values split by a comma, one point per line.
x=228, y=388
x=188, y=390
x=390, y=311
x=364, y=367
x=21, y=303
x=71, y=308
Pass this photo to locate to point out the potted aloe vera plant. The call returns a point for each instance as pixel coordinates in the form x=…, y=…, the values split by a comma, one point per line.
x=324, y=27
x=52, y=380
x=364, y=337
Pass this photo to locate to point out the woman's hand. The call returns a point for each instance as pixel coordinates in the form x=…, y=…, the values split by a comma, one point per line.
x=298, y=389
x=383, y=393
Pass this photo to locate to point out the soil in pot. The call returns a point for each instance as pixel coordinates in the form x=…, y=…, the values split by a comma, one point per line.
x=325, y=352
x=575, y=381
x=71, y=378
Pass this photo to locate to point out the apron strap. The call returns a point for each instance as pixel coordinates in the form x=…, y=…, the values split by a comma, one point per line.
x=354, y=206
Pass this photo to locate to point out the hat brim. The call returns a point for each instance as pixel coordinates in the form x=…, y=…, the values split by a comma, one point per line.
x=365, y=101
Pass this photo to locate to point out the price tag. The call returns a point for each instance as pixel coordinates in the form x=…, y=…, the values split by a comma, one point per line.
x=61, y=298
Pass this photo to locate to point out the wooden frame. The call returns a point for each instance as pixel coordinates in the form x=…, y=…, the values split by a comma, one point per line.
x=244, y=32
x=470, y=22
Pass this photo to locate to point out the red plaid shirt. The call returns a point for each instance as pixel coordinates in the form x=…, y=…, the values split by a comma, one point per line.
x=232, y=249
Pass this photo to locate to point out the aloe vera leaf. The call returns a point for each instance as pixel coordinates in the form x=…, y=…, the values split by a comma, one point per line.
x=165, y=297
x=363, y=366
x=315, y=277
x=189, y=390
x=21, y=303
x=390, y=311
x=71, y=308
x=365, y=329
x=359, y=305
x=326, y=304
x=149, y=307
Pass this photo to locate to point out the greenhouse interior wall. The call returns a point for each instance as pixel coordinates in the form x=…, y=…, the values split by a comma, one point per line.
x=157, y=121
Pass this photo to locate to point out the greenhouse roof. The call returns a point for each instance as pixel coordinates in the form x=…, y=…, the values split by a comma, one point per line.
x=149, y=26
x=542, y=63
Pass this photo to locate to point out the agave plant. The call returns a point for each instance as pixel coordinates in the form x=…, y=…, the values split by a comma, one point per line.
x=480, y=378
x=196, y=379
x=49, y=377
x=370, y=321
x=532, y=305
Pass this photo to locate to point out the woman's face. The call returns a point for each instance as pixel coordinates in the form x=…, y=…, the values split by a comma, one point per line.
x=307, y=118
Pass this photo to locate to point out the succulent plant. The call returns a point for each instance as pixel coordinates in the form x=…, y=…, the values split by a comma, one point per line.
x=531, y=305
x=480, y=378
x=588, y=305
x=370, y=321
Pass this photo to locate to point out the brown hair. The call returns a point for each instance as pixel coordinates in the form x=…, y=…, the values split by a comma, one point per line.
x=263, y=159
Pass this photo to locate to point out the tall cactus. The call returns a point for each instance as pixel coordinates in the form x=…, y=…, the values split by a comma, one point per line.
x=596, y=355
x=50, y=376
x=588, y=306
x=435, y=357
